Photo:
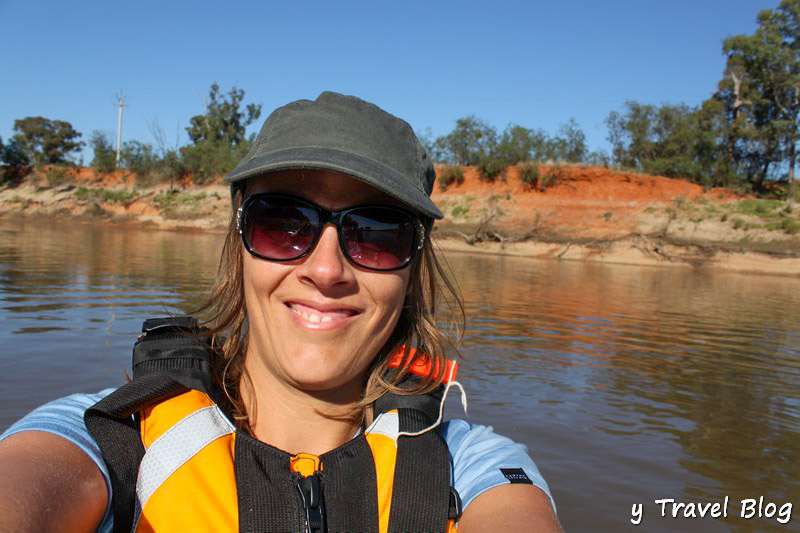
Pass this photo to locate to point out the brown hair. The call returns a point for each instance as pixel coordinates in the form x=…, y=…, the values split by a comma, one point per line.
x=416, y=327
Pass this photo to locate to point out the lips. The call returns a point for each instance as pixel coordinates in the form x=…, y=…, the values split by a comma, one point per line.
x=321, y=313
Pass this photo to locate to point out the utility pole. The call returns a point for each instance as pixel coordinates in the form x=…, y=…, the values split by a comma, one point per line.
x=121, y=103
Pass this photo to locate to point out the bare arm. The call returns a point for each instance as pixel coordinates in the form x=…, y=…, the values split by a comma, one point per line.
x=513, y=507
x=48, y=484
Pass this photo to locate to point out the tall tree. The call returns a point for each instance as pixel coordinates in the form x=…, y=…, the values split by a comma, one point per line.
x=46, y=141
x=670, y=140
x=762, y=90
x=570, y=143
x=218, y=137
x=471, y=141
x=105, y=157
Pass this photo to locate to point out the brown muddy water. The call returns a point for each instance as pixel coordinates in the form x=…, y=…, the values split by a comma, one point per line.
x=628, y=385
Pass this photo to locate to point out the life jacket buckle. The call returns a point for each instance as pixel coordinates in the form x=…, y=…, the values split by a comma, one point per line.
x=311, y=494
x=455, y=510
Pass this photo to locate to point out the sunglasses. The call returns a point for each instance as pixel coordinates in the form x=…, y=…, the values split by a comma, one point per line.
x=278, y=227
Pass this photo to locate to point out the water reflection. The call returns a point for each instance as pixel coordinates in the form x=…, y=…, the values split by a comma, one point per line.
x=627, y=384
x=702, y=368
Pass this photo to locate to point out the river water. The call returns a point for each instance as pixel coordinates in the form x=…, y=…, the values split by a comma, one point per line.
x=628, y=384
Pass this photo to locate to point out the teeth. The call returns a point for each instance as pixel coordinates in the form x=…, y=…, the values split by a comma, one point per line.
x=312, y=317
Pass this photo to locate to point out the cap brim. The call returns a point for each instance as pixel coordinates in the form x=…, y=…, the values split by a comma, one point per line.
x=379, y=176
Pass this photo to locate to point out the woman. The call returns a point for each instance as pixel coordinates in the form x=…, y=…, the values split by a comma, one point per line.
x=315, y=408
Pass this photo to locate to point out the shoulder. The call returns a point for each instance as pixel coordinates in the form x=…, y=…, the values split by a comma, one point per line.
x=481, y=459
x=64, y=417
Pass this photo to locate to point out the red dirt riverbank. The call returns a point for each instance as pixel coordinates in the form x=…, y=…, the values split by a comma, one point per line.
x=588, y=213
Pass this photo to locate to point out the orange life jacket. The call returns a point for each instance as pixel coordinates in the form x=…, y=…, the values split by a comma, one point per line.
x=177, y=463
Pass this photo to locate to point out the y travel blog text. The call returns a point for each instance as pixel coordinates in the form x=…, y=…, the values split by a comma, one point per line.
x=749, y=508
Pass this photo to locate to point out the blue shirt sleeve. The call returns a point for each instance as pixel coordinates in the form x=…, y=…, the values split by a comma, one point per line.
x=478, y=454
x=64, y=417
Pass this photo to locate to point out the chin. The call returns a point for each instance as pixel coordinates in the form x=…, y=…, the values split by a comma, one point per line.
x=315, y=372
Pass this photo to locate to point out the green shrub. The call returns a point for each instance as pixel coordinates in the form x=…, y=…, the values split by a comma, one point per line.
x=458, y=211
x=529, y=174
x=82, y=193
x=117, y=196
x=180, y=205
x=490, y=168
x=551, y=176
x=451, y=175
x=56, y=176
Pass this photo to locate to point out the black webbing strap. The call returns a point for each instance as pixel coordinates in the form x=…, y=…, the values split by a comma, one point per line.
x=111, y=424
x=350, y=487
x=427, y=403
x=421, y=492
x=267, y=497
x=173, y=345
x=168, y=359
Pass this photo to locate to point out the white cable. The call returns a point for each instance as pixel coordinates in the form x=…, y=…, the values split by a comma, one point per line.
x=450, y=383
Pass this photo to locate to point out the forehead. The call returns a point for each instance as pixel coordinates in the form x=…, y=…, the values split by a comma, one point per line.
x=324, y=187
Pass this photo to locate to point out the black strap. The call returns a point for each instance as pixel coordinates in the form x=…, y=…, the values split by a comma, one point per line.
x=421, y=492
x=174, y=345
x=350, y=487
x=427, y=403
x=110, y=422
x=170, y=358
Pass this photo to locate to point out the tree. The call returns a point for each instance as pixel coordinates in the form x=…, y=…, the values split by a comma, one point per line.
x=219, y=137
x=13, y=155
x=470, y=142
x=105, y=157
x=139, y=157
x=45, y=141
x=670, y=140
x=518, y=144
x=761, y=91
x=570, y=143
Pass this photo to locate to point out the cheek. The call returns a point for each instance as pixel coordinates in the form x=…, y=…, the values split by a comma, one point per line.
x=391, y=296
x=259, y=278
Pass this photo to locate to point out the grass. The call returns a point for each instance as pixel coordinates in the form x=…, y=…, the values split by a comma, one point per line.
x=115, y=196
x=181, y=205
x=759, y=208
x=56, y=176
x=459, y=211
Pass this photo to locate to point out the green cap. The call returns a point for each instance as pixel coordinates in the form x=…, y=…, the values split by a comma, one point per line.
x=348, y=135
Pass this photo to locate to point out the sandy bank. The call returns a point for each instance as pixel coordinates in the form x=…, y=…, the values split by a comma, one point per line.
x=589, y=214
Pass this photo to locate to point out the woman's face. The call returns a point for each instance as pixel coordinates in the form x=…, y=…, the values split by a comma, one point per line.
x=318, y=322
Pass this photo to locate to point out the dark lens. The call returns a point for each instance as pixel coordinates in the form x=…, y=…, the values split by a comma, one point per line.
x=280, y=228
x=379, y=238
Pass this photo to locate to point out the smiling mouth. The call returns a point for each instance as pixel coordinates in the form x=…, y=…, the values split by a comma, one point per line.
x=310, y=314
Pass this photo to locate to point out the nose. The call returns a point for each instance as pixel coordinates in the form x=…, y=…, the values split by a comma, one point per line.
x=326, y=266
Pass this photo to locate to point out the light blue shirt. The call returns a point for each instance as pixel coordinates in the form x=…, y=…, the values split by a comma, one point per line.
x=476, y=453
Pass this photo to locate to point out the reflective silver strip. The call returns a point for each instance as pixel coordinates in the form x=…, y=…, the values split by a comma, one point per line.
x=177, y=445
x=387, y=424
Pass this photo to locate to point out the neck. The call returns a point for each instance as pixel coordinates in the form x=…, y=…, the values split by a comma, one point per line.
x=295, y=420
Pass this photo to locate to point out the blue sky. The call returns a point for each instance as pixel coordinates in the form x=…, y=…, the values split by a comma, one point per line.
x=532, y=63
